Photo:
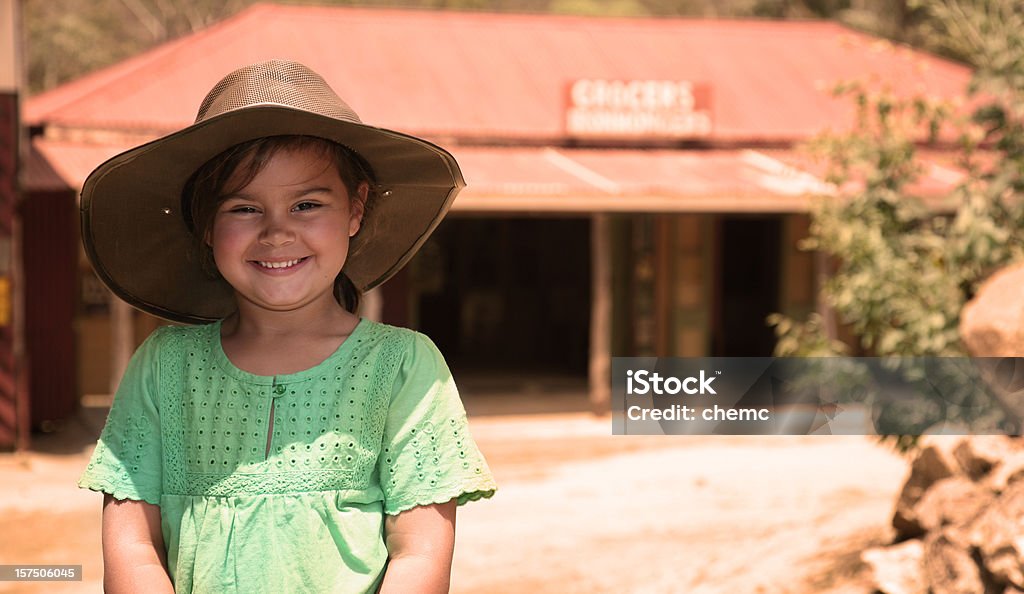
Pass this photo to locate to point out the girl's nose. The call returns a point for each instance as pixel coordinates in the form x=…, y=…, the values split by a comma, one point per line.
x=276, y=231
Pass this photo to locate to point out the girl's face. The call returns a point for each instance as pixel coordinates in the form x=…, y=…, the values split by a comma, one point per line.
x=281, y=240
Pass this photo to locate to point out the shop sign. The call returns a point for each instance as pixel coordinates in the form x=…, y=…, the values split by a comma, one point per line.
x=675, y=109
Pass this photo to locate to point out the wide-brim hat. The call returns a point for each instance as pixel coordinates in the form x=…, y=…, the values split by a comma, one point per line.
x=137, y=239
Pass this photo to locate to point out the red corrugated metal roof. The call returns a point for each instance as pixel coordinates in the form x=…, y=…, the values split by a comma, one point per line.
x=444, y=74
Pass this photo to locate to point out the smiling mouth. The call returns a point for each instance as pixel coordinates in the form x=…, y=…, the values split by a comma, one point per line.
x=279, y=265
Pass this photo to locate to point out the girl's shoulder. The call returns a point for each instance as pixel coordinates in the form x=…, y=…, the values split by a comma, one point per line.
x=175, y=337
x=168, y=346
x=403, y=341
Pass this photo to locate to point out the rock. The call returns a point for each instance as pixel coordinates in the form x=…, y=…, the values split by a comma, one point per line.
x=998, y=535
x=949, y=567
x=897, y=569
x=953, y=501
x=934, y=462
x=1009, y=471
x=1005, y=564
x=979, y=454
x=992, y=324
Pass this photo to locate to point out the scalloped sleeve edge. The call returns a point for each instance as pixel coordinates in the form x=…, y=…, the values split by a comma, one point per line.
x=483, y=488
x=116, y=490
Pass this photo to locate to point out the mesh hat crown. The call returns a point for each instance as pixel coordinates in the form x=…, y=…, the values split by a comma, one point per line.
x=134, y=231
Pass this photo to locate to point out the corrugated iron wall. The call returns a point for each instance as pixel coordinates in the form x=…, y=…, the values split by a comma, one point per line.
x=49, y=259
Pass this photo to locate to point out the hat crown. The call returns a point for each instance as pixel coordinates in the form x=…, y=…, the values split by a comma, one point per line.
x=279, y=82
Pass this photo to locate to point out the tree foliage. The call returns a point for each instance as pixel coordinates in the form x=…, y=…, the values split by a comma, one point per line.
x=66, y=39
x=986, y=33
x=904, y=269
x=904, y=266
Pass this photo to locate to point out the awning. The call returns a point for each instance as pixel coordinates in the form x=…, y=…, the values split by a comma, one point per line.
x=619, y=180
x=573, y=181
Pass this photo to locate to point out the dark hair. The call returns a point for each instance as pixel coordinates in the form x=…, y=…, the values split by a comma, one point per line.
x=239, y=165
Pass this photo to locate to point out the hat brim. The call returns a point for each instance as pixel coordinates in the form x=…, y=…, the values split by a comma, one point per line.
x=135, y=236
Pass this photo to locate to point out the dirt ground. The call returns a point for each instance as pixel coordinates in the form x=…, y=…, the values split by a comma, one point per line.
x=578, y=510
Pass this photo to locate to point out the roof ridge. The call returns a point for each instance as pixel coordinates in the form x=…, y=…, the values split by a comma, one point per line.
x=457, y=13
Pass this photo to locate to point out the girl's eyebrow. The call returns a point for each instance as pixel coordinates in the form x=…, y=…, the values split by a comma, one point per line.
x=313, y=190
x=236, y=196
x=241, y=195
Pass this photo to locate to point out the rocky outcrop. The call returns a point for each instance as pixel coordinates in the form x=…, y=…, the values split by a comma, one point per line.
x=992, y=324
x=959, y=520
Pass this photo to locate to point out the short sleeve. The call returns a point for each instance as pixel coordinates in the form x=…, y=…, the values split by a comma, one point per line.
x=427, y=455
x=127, y=462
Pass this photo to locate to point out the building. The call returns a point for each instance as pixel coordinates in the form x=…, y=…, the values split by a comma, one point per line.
x=634, y=186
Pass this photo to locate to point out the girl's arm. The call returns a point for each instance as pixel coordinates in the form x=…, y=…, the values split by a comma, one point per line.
x=133, y=548
x=420, y=544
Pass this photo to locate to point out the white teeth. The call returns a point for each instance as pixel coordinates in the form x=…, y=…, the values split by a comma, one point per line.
x=279, y=264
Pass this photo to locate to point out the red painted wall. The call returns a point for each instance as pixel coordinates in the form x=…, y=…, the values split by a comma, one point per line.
x=49, y=223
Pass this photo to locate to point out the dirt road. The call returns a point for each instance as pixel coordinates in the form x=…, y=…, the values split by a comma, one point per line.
x=578, y=511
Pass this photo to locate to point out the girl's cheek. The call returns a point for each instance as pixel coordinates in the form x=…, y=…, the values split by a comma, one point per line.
x=225, y=245
x=226, y=231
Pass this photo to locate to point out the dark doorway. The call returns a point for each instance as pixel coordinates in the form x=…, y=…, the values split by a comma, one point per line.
x=510, y=295
x=748, y=280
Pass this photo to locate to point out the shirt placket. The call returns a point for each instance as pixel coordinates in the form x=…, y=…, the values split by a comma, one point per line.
x=274, y=393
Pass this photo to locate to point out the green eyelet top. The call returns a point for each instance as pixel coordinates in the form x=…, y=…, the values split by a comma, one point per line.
x=376, y=428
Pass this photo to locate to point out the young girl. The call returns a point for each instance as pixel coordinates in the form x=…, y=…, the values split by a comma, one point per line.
x=285, y=445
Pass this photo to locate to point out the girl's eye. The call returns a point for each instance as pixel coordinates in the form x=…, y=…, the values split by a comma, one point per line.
x=243, y=209
x=306, y=206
